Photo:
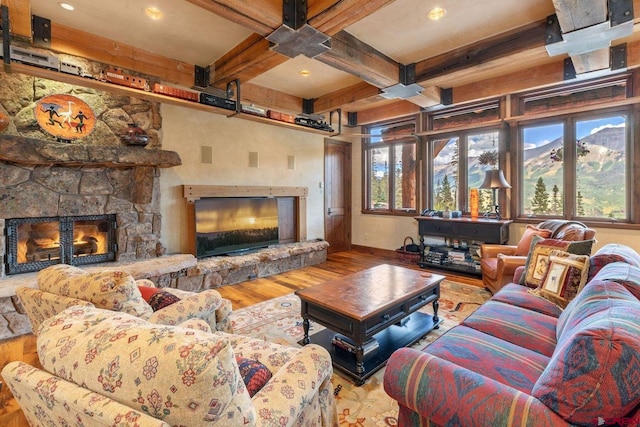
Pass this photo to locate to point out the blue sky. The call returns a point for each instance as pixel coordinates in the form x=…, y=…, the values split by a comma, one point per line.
x=538, y=136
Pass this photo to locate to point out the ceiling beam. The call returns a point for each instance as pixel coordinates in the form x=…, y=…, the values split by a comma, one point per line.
x=259, y=16
x=19, y=18
x=331, y=16
x=355, y=57
x=519, y=40
x=347, y=98
x=245, y=61
x=269, y=98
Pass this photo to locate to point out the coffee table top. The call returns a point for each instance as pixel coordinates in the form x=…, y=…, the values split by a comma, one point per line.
x=370, y=291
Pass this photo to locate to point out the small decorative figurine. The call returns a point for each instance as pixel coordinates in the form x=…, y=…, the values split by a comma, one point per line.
x=135, y=135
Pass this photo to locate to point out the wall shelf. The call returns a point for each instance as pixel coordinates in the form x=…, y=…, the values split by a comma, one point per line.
x=16, y=67
x=267, y=120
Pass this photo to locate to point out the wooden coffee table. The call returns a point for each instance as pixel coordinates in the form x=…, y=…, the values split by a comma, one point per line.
x=374, y=313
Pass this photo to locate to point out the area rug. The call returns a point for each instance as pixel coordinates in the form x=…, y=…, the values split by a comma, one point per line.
x=278, y=320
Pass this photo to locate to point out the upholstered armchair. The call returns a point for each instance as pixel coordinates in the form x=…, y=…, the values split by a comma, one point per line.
x=62, y=286
x=104, y=368
x=498, y=263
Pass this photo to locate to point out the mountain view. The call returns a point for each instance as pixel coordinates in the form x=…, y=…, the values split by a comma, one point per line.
x=600, y=172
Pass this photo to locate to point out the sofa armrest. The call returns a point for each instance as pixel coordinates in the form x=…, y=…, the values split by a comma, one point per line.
x=285, y=396
x=46, y=400
x=446, y=393
x=40, y=305
x=202, y=305
x=489, y=250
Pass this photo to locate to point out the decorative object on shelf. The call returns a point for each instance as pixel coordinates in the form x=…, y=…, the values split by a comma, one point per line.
x=135, y=135
x=4, y=121
x=65, y=117
x=494, y=179
x=474, y=201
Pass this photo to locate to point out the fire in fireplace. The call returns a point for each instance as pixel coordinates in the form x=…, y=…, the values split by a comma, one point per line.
x=36, y=243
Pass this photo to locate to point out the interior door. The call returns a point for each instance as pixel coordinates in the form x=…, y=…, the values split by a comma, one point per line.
x=337, y=195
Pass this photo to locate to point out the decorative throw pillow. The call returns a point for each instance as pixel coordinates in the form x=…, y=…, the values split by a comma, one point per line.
x=254, y=374
x=537, y=261
x=566, y=275
x=525, y=241
x=157, y=298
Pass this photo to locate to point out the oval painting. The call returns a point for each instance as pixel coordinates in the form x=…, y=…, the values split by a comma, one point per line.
x=4, y=122
x=65, y=116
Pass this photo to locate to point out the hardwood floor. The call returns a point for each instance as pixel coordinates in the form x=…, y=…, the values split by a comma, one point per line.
x=241, y=295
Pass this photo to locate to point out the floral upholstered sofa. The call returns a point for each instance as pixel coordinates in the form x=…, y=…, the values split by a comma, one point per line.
x=523, y=360
x=104, y=368
x=62, y=286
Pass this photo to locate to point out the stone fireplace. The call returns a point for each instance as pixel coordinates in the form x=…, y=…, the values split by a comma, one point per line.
x=41, y=181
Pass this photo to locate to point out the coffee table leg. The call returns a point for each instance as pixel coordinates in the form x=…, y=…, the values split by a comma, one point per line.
x=305, y=325
x=359, y=359
x=436, y=304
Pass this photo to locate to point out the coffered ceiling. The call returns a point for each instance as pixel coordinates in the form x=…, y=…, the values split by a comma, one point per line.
x=376, y=46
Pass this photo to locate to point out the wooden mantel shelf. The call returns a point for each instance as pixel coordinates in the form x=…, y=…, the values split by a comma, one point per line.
x=29, y=151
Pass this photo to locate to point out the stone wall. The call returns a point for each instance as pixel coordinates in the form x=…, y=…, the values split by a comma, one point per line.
x=54, y=180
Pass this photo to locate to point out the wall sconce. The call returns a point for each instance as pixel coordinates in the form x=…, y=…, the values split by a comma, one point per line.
x=494, y=179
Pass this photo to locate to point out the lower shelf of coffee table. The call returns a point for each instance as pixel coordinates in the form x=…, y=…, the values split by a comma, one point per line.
x=389, y=340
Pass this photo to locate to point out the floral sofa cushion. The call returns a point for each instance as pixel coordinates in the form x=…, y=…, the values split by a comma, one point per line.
x=173, y=374
x=111, y=290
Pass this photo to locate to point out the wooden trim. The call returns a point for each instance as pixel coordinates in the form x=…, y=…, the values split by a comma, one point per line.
x=195, y=192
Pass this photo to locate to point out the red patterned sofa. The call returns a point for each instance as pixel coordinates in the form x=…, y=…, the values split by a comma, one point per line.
x=520, y=360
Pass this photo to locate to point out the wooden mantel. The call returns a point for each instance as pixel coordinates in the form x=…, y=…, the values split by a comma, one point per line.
x=195, y=192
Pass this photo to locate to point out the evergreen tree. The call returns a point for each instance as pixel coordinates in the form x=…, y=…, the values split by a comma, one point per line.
x=555, y=200
x=540, y=202
x=447, y=195
x=580, y=206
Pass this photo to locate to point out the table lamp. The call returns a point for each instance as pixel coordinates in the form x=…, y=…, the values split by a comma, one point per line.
x=494, y=179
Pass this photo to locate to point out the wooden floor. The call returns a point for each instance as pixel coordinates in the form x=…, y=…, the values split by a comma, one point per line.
x=241, y=295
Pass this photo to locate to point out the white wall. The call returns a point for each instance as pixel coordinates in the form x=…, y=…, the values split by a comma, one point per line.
x=185, y=130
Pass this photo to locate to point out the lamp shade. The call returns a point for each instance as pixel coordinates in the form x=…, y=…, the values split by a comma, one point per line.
x=494, y=178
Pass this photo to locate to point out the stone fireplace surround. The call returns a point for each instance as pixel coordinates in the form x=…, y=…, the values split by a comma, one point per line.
x=44, y=179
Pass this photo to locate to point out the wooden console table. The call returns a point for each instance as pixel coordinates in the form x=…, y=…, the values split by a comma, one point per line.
x=465, y=229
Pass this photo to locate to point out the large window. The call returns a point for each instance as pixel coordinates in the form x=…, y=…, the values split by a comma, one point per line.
x=576, y=167
x=390, y=165
x=459, y=163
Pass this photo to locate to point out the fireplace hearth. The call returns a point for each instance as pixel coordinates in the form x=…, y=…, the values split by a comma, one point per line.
x=36, y=243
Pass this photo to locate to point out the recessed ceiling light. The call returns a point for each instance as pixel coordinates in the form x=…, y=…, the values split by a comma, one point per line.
x=305, y=73
x=436, y=13
x=66, y=6
x=153, y=12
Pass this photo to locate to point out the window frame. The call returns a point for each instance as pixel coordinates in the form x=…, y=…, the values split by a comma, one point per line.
x=390, y=144
x=570, y=160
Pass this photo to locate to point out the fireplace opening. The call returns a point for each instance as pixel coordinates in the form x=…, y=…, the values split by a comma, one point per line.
x=36, y=243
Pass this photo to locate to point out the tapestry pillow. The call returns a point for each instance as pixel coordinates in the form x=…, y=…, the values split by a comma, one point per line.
x=157, y=298
x=254, y=374
x=537, y=261
x=591, y=367
x=525, y=241
x=171, y=373
x=110, y=290
x=566, y=275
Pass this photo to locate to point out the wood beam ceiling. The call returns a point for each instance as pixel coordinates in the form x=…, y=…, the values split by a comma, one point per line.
x=481, y=70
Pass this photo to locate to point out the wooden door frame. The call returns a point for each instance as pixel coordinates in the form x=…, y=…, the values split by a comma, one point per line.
x=347, y=191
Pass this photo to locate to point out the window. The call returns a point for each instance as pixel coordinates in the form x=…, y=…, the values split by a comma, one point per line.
x=390, y=168
x=576, y=167
x=459, y=163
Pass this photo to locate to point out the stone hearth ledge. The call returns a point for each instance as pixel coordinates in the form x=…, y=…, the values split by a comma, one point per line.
x=181, y=271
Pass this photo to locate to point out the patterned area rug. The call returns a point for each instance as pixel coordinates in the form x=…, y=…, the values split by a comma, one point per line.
x=278, y=320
